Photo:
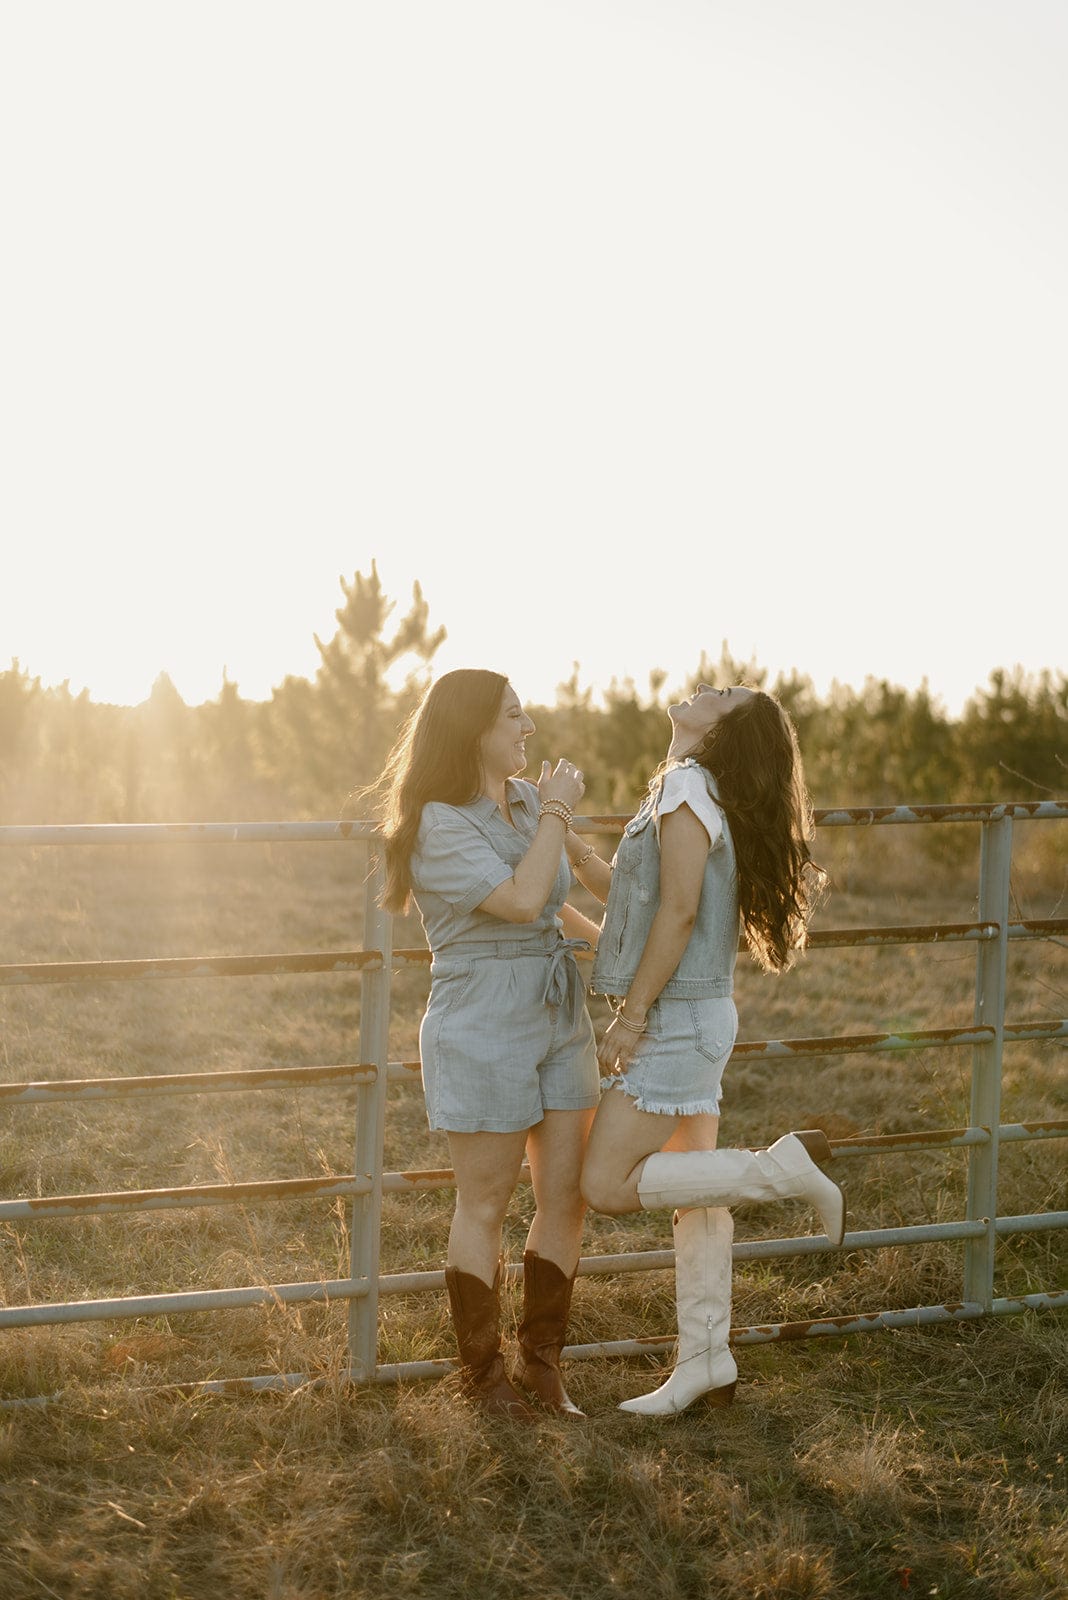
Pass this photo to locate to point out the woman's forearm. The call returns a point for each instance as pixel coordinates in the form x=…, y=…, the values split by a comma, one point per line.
x=523, y=897
x=592, y=871
x=577, y=926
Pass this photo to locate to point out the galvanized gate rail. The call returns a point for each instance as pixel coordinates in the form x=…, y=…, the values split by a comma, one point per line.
x=982, y=1138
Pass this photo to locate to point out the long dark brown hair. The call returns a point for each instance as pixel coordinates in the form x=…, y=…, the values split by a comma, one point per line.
x=753, y=755
x=436, y=757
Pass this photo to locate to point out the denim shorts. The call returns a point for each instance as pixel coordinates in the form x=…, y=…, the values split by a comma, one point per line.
x=496, y=1052
x=678, y=1065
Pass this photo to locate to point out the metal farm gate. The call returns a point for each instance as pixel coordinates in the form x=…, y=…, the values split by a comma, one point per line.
x=978, y=1231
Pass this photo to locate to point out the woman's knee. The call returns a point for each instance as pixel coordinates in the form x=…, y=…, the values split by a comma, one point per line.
x=482, y=1208
x=604, y=1192
x=558, y=1211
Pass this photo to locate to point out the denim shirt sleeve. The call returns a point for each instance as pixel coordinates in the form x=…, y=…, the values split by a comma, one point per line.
x=454, y=860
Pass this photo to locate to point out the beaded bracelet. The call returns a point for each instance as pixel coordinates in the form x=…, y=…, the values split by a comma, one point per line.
x=631, y=1027
x=582, y=860
x=556, y=808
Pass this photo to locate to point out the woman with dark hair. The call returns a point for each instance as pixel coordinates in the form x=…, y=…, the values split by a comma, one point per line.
x=721, y=841
x=507, y=1046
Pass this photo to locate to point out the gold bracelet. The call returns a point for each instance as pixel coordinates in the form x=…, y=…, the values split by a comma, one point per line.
x=556, y=808
x=582, y=860
x=631, y=1027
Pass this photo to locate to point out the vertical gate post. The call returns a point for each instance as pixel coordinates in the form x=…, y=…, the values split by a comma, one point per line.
x=995, y=860
x=366, y=1222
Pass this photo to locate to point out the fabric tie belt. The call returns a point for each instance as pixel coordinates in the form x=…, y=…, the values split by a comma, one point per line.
x=563, y=984
x=563, y=981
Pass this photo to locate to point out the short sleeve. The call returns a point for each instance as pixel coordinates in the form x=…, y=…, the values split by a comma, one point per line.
x=687, y=786
x=454, y=860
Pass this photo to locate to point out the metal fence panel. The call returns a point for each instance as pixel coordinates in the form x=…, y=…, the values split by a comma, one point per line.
x=978, y=1231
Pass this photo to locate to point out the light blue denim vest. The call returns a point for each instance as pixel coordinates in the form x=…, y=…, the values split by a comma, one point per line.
x=706, y=969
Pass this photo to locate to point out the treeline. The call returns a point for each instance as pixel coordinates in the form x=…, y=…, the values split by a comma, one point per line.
x=65, y=758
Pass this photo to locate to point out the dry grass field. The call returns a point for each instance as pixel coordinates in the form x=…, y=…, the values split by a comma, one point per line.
x=927, y=1461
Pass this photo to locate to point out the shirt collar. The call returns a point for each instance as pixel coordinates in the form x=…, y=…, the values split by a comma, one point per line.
x=518, y=794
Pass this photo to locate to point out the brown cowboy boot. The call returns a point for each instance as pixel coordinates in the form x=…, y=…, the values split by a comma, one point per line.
x=546, y=1304
x=476, y=1313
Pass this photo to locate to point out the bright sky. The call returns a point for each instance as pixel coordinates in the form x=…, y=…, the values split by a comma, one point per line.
x=626, y=327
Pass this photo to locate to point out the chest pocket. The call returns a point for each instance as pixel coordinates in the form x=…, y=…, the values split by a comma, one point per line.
x=507, y=843
x=511, y=846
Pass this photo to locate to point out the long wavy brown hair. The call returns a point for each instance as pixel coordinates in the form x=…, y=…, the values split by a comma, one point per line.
x=436, y=757
x=753, y=755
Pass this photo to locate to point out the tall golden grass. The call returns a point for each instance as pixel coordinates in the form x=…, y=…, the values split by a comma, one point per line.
x=928, y=1461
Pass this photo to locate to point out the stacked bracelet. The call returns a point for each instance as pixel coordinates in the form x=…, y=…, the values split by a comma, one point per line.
x=556, y=808
x=631, y=1027
x=582, y=860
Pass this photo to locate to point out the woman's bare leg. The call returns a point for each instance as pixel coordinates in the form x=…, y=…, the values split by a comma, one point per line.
x=621, y=1138
x=555, y=1148
x=487, y=1170
x=699, y=1132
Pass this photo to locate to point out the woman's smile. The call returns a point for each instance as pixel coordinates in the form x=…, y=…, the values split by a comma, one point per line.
x=503, y=755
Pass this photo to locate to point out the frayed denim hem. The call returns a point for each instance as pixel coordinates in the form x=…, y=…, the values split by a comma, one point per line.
x=696, y=1109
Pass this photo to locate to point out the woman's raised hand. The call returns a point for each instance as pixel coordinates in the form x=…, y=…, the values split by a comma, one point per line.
x=562, y=782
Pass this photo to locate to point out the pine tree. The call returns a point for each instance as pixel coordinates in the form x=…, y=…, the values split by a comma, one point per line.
x=1014, y=736
x=337, y=732
x=19, y=700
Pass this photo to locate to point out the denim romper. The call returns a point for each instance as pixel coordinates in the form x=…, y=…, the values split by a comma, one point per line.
x=506, y=1035
x=678, y=1066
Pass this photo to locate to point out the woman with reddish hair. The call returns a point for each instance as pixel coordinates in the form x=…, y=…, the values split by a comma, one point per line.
x=506, y=1043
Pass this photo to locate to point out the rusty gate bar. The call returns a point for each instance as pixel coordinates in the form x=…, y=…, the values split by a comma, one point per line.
x=985, y=811
x=859, y=1043
x=995, y=865
x=162, y=1305
x=188, y=967
x=156, y=833
x=133, y=1306
x=48, y=1092
x=912, y=933
x=126, y=1202
x=762, y=1333
x=359, y=960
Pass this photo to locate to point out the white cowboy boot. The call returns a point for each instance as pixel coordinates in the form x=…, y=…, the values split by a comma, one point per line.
x=704, y=1365
x=784, y=1171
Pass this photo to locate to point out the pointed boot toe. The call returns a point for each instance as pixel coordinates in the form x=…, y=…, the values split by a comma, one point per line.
x=802, y=1157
